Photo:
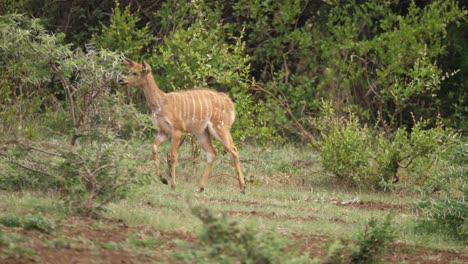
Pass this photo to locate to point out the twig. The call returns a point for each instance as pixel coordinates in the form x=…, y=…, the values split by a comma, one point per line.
x=43, y=151
x=288, y=110
x=69, y=93
x=26, y=167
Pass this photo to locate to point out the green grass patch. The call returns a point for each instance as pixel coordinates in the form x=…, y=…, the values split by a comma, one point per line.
x=29, y=222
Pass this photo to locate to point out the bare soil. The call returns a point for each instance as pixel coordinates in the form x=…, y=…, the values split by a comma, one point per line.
x=97, y=241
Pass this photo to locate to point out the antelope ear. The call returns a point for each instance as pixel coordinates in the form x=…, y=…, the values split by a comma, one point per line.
x=146, y=66
x=129, y=62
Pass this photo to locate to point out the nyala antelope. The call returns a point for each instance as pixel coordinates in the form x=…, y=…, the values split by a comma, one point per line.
x=202, y=112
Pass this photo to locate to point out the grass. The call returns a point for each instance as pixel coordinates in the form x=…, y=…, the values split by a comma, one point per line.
x=288, y=210
x=287, y=194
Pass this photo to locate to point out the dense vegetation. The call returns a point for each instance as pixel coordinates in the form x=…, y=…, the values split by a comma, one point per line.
x=377, y=88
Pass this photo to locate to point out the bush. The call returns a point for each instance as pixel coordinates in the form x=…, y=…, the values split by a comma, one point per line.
x=443, y=204
x=88, y=175
x=224, y=241
x=123, y=34
x=370, y=244
x=367, y=247
x=344, y=148
x=369, y=157
x=85, y=159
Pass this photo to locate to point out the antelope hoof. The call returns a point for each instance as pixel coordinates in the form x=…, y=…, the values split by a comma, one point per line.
x=164, y=181
x=201, y=189
x=243, y=187
x=173, y=187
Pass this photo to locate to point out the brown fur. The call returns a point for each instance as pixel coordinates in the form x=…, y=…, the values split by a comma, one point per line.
x=202, y=112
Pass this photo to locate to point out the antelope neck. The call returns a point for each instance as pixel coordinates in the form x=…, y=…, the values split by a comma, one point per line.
x=153, y=94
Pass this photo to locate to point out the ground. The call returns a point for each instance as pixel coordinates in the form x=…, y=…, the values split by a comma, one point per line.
x=88, y=240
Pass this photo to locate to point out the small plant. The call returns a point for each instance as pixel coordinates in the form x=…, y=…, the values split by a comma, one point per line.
x=368, y=246
x=109, y=245
x=371, y=243
x=18, y=251
x=29, y=222
x=11, y=221
x=224, y=241
x=14, y=248
x=8, y=238
x=60, y=242
x=337, y=253
x=143, y=241
x=39, y=223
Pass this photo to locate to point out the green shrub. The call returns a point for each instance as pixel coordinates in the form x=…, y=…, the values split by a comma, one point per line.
x=144, y=241
x=222, y=241
x=60, y=242
x=337, y=253
x=88, y=175
x=371, y=243
x=95, y=173
x=369, y=157
x=29, y=222
x=123, y=34
x=39, y=223
x=368, y=246
x=443, y=203
x=11, y=221
x=75, y=145
x=345, y=147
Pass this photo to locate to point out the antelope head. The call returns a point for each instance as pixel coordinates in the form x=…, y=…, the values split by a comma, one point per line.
x=137, y=73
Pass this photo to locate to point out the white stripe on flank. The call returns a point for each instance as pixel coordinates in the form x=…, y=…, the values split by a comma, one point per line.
x=187, y=111
x=208, y=108
x=193, y=108
x=217, y=107
x=200, y=105
x=181, y=102
x=223, y=105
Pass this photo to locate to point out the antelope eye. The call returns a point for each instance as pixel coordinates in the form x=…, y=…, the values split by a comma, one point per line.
x=135, y=74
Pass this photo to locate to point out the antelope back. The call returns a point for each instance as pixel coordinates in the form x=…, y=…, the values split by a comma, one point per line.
x=193, y=110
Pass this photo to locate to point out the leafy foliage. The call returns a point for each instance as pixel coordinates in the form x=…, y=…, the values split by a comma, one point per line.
x=26, y=51
x=384, y=61
x=371, y=243
x=369, y=157
x=443, y=200
x=368, y=246
x=224, y=241
x=123, y=34
x=29, y=222
x=344, y=150
x=93, y=166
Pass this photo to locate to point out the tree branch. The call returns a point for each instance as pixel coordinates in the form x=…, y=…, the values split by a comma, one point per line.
x=288, y=110
x=14, y=162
